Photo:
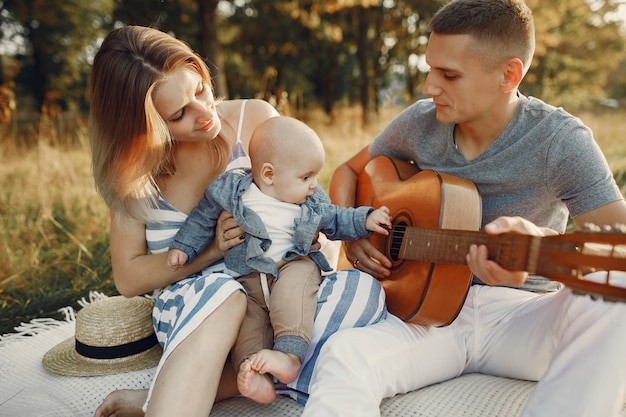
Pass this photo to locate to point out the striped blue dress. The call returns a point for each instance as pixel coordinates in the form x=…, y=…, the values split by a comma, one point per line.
x=346, y=298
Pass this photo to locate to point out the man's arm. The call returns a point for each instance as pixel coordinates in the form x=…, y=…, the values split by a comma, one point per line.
x=609, y=214
x=342, y=192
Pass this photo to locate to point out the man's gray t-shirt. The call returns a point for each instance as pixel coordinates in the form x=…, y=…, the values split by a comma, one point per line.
x=544, y=166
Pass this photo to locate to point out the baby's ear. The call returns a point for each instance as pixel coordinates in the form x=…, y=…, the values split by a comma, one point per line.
x=267, y=173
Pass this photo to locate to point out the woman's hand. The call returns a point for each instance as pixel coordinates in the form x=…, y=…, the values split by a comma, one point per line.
x=316, y=245
x=227, y=233
x=365, y=257
x=490, y=272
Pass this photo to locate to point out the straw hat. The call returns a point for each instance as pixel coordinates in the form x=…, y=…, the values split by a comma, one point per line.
x=113, y=335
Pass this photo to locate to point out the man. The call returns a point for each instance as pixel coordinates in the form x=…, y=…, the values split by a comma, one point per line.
x=533, y=165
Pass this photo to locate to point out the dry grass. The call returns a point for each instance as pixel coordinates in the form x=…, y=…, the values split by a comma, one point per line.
x=344, y=136
x=54, y=227
x=53, y=230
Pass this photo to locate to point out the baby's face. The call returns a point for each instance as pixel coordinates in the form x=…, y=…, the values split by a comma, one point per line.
x=296, y=179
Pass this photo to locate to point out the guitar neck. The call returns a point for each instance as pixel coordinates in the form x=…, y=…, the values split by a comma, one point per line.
x=514, y=252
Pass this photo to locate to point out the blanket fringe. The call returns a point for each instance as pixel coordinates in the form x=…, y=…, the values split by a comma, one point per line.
x=40, y=325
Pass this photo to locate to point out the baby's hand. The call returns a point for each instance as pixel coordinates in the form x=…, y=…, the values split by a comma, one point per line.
x=379, y=221
x=176, y=259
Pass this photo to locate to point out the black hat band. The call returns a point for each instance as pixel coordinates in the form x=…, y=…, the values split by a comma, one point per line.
x=119, y=351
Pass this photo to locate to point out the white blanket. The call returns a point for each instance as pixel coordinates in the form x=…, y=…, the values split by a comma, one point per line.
x=27, y=389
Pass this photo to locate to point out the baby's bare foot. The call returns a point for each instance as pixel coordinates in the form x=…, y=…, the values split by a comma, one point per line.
x=284, y=366
x=254, y=385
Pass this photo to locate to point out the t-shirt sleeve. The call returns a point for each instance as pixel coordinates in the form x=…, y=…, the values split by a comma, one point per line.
x=580, y=173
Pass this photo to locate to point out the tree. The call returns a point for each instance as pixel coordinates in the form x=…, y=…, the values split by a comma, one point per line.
x=59, y=34
x=208, y=42
x=146, y=13
x=409, y=41
x=318, y=51
x=577, y=49
x=272, y=62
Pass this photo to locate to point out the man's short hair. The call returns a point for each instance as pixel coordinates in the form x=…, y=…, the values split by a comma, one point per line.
x=503, y=27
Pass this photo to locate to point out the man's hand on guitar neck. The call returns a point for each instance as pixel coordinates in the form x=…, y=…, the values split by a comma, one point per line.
x=490, y=272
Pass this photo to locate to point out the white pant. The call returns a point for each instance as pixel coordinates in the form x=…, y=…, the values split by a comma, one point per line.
x=575, y=346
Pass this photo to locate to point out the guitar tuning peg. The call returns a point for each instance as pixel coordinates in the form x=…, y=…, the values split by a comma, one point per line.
x=620, y=228
x=606, y=228
x=591, y=227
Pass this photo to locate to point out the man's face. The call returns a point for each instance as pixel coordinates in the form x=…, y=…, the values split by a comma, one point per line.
x=462, y=86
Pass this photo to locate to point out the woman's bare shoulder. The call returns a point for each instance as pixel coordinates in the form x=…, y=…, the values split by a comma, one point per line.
x=255, y=109
x=255, y=113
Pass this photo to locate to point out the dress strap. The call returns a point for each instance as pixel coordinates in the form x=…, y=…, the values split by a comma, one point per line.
x=240, y=124
x=239, y=158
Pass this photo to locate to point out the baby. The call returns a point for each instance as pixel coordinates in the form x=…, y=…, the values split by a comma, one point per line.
x=281, y=207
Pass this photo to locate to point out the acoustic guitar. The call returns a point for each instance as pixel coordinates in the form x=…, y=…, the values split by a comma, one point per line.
x=436, y=217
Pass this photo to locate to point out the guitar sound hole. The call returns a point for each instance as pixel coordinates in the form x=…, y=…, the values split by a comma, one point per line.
x=395, y=241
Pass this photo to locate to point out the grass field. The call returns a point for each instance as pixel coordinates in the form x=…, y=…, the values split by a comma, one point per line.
x=54, y=227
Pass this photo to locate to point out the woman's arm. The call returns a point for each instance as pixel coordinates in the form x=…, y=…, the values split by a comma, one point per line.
x=136, y=272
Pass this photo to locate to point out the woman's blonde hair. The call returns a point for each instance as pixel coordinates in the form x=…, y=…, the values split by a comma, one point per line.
x=131, y=145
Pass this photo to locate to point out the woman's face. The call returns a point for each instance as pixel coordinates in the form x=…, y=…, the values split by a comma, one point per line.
x=187, y=105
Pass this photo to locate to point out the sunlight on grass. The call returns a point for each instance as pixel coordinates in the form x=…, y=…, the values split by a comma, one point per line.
x=345, y=136
x=53, y=230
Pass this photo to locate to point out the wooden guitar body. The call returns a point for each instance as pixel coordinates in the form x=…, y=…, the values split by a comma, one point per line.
x=423, y=199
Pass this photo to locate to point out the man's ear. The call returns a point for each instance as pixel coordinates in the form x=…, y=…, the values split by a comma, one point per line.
x=267, y=173
x=513, y=72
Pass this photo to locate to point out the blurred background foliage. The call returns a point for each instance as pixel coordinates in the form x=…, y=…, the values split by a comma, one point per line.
x=302, y=52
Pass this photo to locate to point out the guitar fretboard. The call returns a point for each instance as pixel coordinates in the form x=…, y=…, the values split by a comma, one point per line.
x=512, y=251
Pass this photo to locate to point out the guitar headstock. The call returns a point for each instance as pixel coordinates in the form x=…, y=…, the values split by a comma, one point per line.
x=591, y=261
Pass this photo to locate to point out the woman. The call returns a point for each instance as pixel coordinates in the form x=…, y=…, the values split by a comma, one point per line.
x=159, y=138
